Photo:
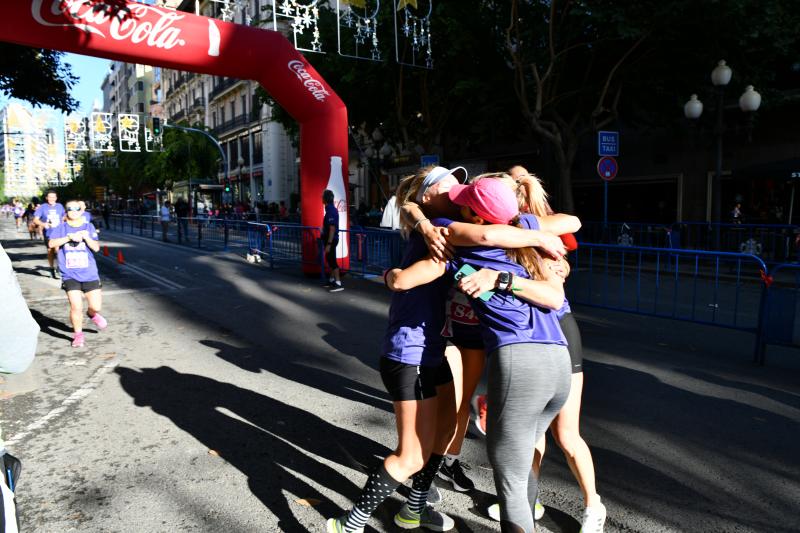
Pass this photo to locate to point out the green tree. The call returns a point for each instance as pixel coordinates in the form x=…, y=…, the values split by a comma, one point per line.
x=36, y=75
x=572, y=60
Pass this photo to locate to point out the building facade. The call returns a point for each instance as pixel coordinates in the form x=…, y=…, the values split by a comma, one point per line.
x=29, y=153
x=261, y=161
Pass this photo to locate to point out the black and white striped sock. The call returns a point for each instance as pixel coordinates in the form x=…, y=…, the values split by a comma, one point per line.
x=421, y=483
x=379, y=486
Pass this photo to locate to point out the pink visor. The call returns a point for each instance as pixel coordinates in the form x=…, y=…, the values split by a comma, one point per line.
x=490, y=199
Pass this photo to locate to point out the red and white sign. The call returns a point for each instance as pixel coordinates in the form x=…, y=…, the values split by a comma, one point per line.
x=607, y=168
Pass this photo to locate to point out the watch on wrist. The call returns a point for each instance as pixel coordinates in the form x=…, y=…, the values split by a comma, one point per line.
x=503, y=281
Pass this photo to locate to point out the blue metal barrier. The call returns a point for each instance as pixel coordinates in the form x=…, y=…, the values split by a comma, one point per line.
x=714, y=288
x=780, y=309
x=373, y=250
x=772, y=242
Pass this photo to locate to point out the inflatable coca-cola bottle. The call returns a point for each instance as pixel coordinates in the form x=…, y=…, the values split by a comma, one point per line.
x=336, y=185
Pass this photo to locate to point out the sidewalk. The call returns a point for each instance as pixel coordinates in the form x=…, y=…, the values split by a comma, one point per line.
x=248, y=400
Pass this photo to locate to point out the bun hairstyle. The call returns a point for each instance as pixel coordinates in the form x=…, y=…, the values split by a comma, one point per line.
x=529, y=258
x=407, y=192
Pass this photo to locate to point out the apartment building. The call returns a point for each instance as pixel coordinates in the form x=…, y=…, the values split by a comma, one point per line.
x=261, y=160
x=29, y=154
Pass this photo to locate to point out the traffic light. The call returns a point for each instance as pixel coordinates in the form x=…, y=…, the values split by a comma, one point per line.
x=227, y=187
x=156, y=126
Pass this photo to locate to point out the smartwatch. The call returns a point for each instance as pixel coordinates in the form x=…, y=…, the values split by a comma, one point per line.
x=503, y=281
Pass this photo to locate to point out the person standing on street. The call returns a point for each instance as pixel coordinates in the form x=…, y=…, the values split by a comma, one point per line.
x=75, y=240
x=164, y=216
x=330, y=239
x=49, y=216
x=182, y=210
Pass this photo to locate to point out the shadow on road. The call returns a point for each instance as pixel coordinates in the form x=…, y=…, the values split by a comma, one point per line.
x=262, y=437
x=51, y=326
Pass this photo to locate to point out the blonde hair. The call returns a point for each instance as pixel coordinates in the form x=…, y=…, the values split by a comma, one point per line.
x=528, y=258
x=531, y=195
x=407, y=193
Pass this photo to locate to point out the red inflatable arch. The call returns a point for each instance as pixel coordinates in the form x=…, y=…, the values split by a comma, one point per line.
x=139, y=33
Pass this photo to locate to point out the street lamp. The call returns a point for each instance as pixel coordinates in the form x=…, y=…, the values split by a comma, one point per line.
x=240, y=161
x=749, y=102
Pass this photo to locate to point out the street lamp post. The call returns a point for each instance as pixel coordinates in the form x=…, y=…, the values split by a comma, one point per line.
x=749, y=102
x=240, y=161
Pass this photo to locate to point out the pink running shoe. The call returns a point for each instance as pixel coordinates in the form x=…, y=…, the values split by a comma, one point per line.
x=78, y=339
x=480, y=420
x=99, y=321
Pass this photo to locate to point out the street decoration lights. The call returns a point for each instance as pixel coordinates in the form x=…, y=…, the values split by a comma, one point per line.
x=749, y=102
x=364, y=27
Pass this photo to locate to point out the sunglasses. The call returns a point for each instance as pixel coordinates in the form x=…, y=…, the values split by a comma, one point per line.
x=73, y=209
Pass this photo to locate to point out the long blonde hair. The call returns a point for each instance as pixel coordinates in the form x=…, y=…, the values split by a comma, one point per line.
x=407, y=192
x=531, y=195
x=528, y=258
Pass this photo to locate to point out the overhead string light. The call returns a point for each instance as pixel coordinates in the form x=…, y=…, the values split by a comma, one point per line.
x=416, y=30
x=230, y=8
x=300, y=17
x=364, y=28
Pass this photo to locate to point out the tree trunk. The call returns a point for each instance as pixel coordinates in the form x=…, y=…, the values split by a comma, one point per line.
x=565, y=157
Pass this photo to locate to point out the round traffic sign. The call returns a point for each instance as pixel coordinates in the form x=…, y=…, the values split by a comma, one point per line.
x=607, y=168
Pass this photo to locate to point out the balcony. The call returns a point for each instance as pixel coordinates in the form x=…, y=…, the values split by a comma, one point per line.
x=199, y=104
x=239, y=122
x=222, y=86
x=179, y=115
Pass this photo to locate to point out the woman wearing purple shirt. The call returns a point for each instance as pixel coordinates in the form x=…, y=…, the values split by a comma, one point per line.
x=75, y=240
x=419, y=381
x=519, y=336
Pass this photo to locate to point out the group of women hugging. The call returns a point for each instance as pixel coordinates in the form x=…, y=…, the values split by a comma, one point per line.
x=481, y=284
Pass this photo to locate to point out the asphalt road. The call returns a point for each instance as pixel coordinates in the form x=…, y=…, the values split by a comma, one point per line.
x=225, y=396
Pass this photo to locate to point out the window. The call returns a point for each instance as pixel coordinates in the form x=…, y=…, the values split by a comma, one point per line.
x=214, y=119
x=233, y=109
x=245, y=143
x=140, y=86
x=222, y=115
x=140, y=107
x=234, y=153
x=244, y=104
x=258, y=154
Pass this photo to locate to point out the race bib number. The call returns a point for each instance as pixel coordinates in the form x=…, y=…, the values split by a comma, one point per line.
x=77, y=260
x=463, y=314
x=53, y=219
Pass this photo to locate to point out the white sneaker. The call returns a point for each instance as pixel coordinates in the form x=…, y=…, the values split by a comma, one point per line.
x=594, y=518
x=494, y=511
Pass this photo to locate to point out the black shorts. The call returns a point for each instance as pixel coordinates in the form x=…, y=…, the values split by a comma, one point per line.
x=330, y=257
x=466, y=336
x=570, y=328
x=84, y=286
x=413, y=382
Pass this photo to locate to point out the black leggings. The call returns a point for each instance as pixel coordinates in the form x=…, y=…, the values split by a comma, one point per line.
x=573, y=334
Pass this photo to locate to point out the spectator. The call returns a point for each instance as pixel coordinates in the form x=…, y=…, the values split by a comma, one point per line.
x=106, y=211
x=283, y=213
x=165, y=220
x=182, y=211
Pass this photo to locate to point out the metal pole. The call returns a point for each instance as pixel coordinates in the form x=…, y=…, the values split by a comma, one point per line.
x=791, y=205
x=212, y=139
x=716, y=213
x=605, y=205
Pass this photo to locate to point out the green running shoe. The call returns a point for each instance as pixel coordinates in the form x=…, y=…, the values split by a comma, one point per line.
x=336, y=525
x=428, y=519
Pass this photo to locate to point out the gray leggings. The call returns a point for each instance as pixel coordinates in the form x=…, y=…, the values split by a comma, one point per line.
x=528, y=385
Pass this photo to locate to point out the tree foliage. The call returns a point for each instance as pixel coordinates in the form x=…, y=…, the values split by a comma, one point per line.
x=37, y=76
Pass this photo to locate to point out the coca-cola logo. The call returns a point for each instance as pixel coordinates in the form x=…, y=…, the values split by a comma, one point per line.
x=313, y=85
x=110, y=20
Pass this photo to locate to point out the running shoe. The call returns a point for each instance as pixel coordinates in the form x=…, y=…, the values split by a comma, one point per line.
x=594, y=518
x=336, y=525
x=480, y=420
x=336, y=288
x=54, y=273
x=11, y=469
x=428, y=519
x=78, y=339
x=494, y=511
x=538, y=510
x=455, y=475
x=99, y=321
x=434, y=495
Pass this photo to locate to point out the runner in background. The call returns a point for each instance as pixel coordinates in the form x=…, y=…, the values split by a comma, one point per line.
x=19, y=212
x=75, y=240
x=49, y=216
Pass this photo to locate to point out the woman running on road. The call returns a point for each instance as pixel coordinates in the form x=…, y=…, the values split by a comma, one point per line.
x=75, y=240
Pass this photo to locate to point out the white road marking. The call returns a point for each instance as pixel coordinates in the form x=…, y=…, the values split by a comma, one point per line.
x=85, y=390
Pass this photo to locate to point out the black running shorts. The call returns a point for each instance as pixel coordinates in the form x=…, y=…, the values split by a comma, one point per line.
x=84, y=286
x=570, y=328
x=413, y=382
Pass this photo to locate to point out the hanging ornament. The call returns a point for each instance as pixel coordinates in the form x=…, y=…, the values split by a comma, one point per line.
x=128, y=132
x=299, y=17
x=415, y=31
x=101, y=132
x=363, y=27
x=230, y=8
x=75, y=134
